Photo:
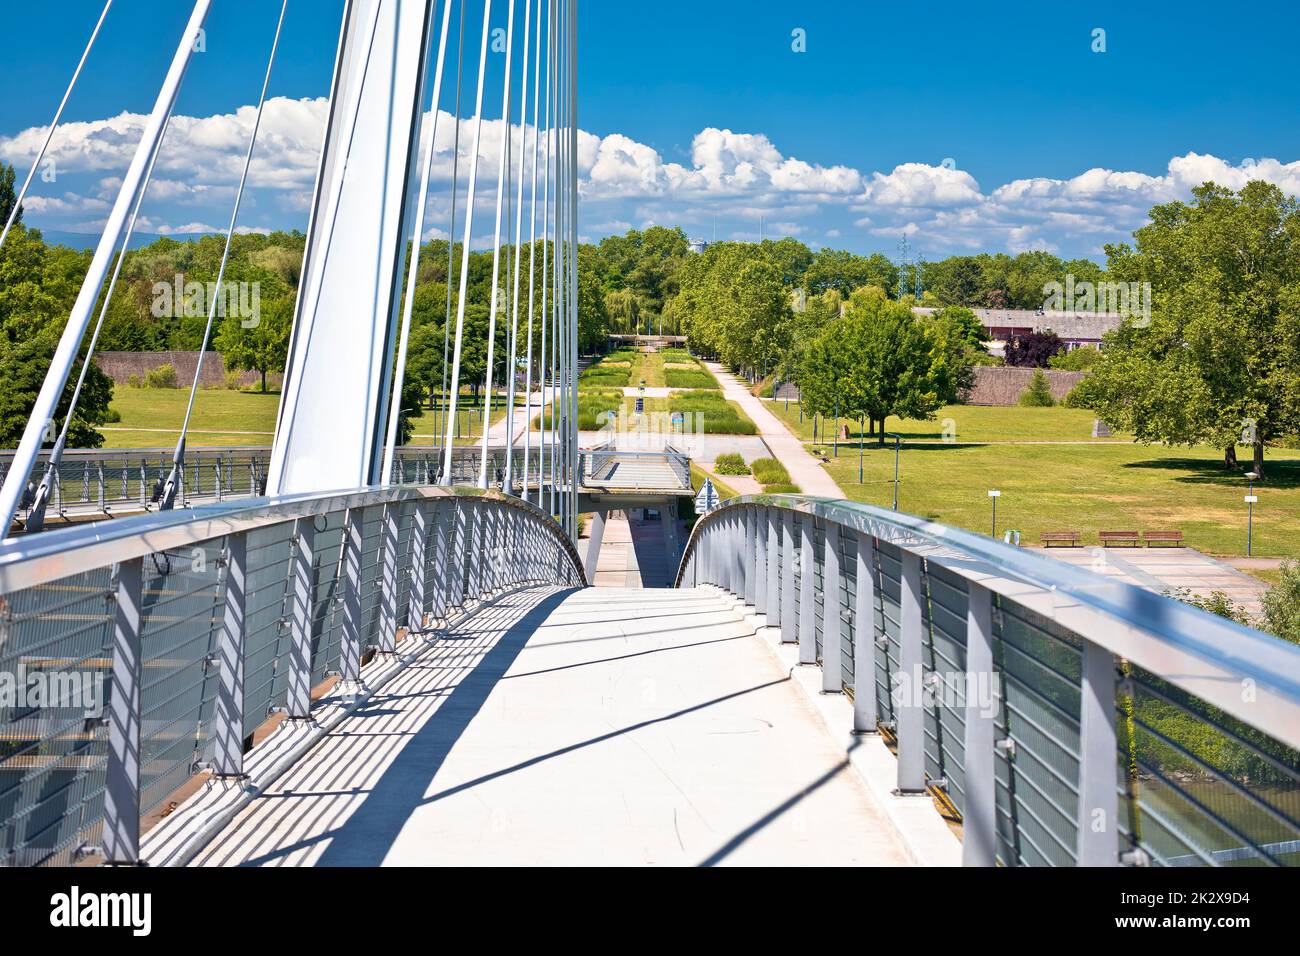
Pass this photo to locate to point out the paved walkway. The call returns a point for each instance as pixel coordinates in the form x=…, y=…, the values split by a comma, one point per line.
x=805, y=470
x=575, y=728
x=523, y=415
x=1167, y=569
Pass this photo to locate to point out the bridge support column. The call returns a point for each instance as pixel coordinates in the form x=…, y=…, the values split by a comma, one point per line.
x=669, y=515
x=908, y=704
x=121, y=834
x=594, y=540
x=832, y=612
x=789, y=624
x=807, y=634
x=1098, y=811
x=864, y=638
x=350, y=651
x=979, y=815
x=226, y=748
x=301, y=582
x=749, y=556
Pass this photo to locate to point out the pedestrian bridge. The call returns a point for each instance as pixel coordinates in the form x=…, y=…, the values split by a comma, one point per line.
x=420, y=675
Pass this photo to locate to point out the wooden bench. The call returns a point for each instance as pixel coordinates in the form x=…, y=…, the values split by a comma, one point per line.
x=1173, y=539
x=1129, y=538
x=1068, y=538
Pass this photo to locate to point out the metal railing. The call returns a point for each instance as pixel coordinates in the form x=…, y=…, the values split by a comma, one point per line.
x=99, y=481
x=1063, y=717
x=136, y=653
x=607, y=466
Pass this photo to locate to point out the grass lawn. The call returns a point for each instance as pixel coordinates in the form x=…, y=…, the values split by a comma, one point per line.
x=1085, y=488
x=967, y=423
x=151, y=418
x=648, y=366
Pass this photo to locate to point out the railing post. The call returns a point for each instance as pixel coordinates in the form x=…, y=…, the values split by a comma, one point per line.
x=227, y=744
x=789, y=626
x=832, y=613
x=760, y=560
x=772, y=557
x=458, y=552
x=979, y=815
x=300, y=612
x=909, y=705
x=350, y=562
x=807, y=592
x=865, y=716
x=749, y=556
x=421, y=550
x=121, y=834
x=388, y=579
x=443, y=515
x=1098, y=761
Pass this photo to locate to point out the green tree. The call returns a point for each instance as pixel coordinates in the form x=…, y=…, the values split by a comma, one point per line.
x=8, y=195
x=1220, y=357
x=1039, y=392
x=22, y=368
x=262, y=345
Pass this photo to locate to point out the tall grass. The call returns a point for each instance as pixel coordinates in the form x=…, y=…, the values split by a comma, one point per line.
x=720, y=416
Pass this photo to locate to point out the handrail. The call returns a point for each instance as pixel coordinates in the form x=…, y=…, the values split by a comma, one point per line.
x=1025, y=619
x=212, y=618
x=39, y=559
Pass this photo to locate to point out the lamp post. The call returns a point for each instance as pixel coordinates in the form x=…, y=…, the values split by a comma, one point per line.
x=836, y=438
x=897, y=441
x=995, y=495
x=862, y=440
x=1251, y=498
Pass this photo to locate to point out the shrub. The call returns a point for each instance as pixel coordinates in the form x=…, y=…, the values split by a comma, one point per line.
x=1075, y=360
x=769, y=471
x=731, y=464
x=112, y=416
x=1039, y=393
x=1282, y=604
x=689, y=378
x=164, y=376
x=234, y=380
x=781, y=489
x=134, y=381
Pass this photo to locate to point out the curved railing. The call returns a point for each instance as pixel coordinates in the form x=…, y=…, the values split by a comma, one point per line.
x=135, y=653
x=1064, y=717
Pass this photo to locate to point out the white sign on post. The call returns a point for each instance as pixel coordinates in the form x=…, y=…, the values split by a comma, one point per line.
x=707, y=500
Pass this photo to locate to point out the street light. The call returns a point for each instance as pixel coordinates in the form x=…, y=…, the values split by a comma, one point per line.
x=897, y=440
x=1251, y=498
x=995, y=495
x=862, y=441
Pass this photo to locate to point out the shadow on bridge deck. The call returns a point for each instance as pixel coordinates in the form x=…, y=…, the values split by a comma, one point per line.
x=558, y=727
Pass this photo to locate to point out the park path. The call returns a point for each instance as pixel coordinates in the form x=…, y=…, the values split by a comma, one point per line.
x=523, y=415
x=805, y=470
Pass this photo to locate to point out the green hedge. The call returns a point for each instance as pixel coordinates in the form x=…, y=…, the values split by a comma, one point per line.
x=781, y=489
x=769, y=471
x=731, y=464
x=720, y=416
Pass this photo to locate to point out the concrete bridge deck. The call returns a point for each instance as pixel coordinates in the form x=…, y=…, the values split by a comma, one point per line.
x=602, y=727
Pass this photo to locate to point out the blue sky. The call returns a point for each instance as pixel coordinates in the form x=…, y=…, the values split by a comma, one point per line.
x=966, y=127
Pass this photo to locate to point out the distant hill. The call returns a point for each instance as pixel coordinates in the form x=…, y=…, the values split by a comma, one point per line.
x=89, y=240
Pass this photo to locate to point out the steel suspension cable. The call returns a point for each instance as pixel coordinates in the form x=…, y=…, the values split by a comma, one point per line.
x=464, y=255
x=178, y=456
x=36, y=515
x=54, y=125
x=512, y=363
x=573, y=252
x=502, y=164
x=532, y=262
x=399, y=369
x=451, y=239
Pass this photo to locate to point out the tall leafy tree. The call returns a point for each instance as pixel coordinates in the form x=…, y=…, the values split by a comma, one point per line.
x=1219, y=360
x=8, y=195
